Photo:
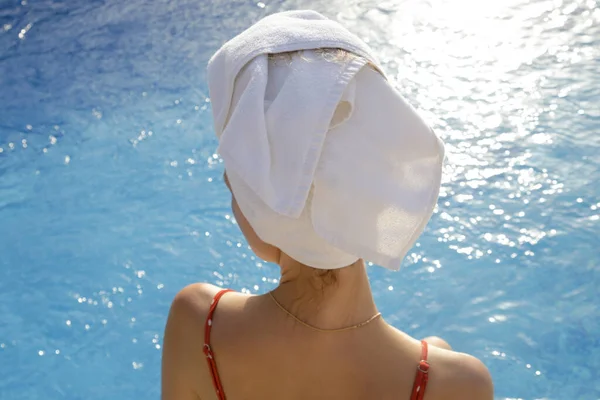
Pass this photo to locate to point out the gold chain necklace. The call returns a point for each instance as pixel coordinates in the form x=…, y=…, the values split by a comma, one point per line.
x=374, y=317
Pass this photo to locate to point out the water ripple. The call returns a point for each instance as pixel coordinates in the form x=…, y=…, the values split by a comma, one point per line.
x=111, y=198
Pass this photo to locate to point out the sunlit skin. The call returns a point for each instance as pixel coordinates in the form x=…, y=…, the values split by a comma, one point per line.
x=262, y=353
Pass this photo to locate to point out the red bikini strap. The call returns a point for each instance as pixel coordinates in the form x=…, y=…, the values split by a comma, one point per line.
x=210, y=357
x=418, y=391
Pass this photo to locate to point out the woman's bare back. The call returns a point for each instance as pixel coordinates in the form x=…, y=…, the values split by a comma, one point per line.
x=262, y=354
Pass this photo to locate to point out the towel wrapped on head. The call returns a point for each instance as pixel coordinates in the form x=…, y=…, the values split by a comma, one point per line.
x=328, y=162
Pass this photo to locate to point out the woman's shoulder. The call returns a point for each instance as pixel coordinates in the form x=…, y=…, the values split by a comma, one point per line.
x=190, y=308
x=459, y=376
x=196, y=297
x=184, y=375
x=193, y=302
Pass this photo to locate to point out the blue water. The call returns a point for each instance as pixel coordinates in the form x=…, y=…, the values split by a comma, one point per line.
x=111, y=198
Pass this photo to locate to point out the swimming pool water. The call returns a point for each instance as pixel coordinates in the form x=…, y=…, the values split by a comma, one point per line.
x=111, y=197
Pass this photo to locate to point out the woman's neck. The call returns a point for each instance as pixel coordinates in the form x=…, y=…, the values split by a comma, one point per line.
x=326, y=305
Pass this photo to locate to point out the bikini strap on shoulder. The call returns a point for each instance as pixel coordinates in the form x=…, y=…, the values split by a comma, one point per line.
x=422, y=377
x=210, y=358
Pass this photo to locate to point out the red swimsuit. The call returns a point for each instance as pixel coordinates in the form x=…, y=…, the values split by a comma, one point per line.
x=418, y=391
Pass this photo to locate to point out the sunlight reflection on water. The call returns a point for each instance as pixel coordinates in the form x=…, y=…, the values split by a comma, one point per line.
x=111, y=198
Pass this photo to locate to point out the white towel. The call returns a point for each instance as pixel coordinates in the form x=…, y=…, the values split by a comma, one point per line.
x=262, y=143
x=327, y=161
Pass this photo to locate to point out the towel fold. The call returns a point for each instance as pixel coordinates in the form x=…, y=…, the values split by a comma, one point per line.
x=275, y=172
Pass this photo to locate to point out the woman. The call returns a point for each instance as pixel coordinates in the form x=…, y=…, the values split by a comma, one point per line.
x=327, y=166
